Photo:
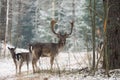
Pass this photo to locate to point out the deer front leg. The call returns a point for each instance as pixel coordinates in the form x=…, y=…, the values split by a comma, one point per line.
x=16, y=68
x=21, y=63
x=15, y=65
x=51, y=62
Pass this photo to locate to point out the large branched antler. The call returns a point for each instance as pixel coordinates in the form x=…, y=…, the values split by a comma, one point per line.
x=72, y=25
x=53, y=22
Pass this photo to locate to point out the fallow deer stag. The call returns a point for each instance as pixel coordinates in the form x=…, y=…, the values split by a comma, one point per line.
x=20, y=58
x=48, y=49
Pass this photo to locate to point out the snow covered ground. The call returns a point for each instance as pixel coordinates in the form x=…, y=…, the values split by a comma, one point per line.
x=66, y=66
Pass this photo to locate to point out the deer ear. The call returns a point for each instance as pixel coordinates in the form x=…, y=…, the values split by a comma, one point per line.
x=8, y=48
x=15, y=47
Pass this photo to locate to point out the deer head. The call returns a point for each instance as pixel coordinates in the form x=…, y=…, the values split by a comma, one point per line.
x=62, y=37
x=12, y=50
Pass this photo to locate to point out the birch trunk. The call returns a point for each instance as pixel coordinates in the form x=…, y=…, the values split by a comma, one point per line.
x=6, y=31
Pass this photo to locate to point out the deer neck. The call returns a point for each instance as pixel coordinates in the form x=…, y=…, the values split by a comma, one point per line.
x=60, y=45
x=13, y=54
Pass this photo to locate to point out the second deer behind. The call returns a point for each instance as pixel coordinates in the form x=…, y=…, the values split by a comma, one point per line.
x=19, y=58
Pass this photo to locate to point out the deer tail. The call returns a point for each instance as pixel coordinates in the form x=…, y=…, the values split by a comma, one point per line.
x=30, y=48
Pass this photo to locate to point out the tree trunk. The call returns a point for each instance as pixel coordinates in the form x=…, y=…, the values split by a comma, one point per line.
x=10, y=21
x=6, y=29
x=2, y=19
x=113, y=34
x=93, y=36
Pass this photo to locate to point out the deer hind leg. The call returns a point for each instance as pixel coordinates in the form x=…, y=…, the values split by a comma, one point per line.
x=33, y=65
x=51, y=62
x=37, y=68
x=27, y=66
x=34, y=61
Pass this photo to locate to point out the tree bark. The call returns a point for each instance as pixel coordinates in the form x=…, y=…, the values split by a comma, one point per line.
x=2, y=19
x=113, y=34
x=6, y=29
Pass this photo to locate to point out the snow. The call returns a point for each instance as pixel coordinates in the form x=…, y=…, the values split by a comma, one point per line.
x=66, y=67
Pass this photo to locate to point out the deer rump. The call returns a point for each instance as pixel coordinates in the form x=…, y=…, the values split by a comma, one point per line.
x=44, y=49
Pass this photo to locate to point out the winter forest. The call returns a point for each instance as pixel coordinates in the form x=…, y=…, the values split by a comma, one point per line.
x=59, y=39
